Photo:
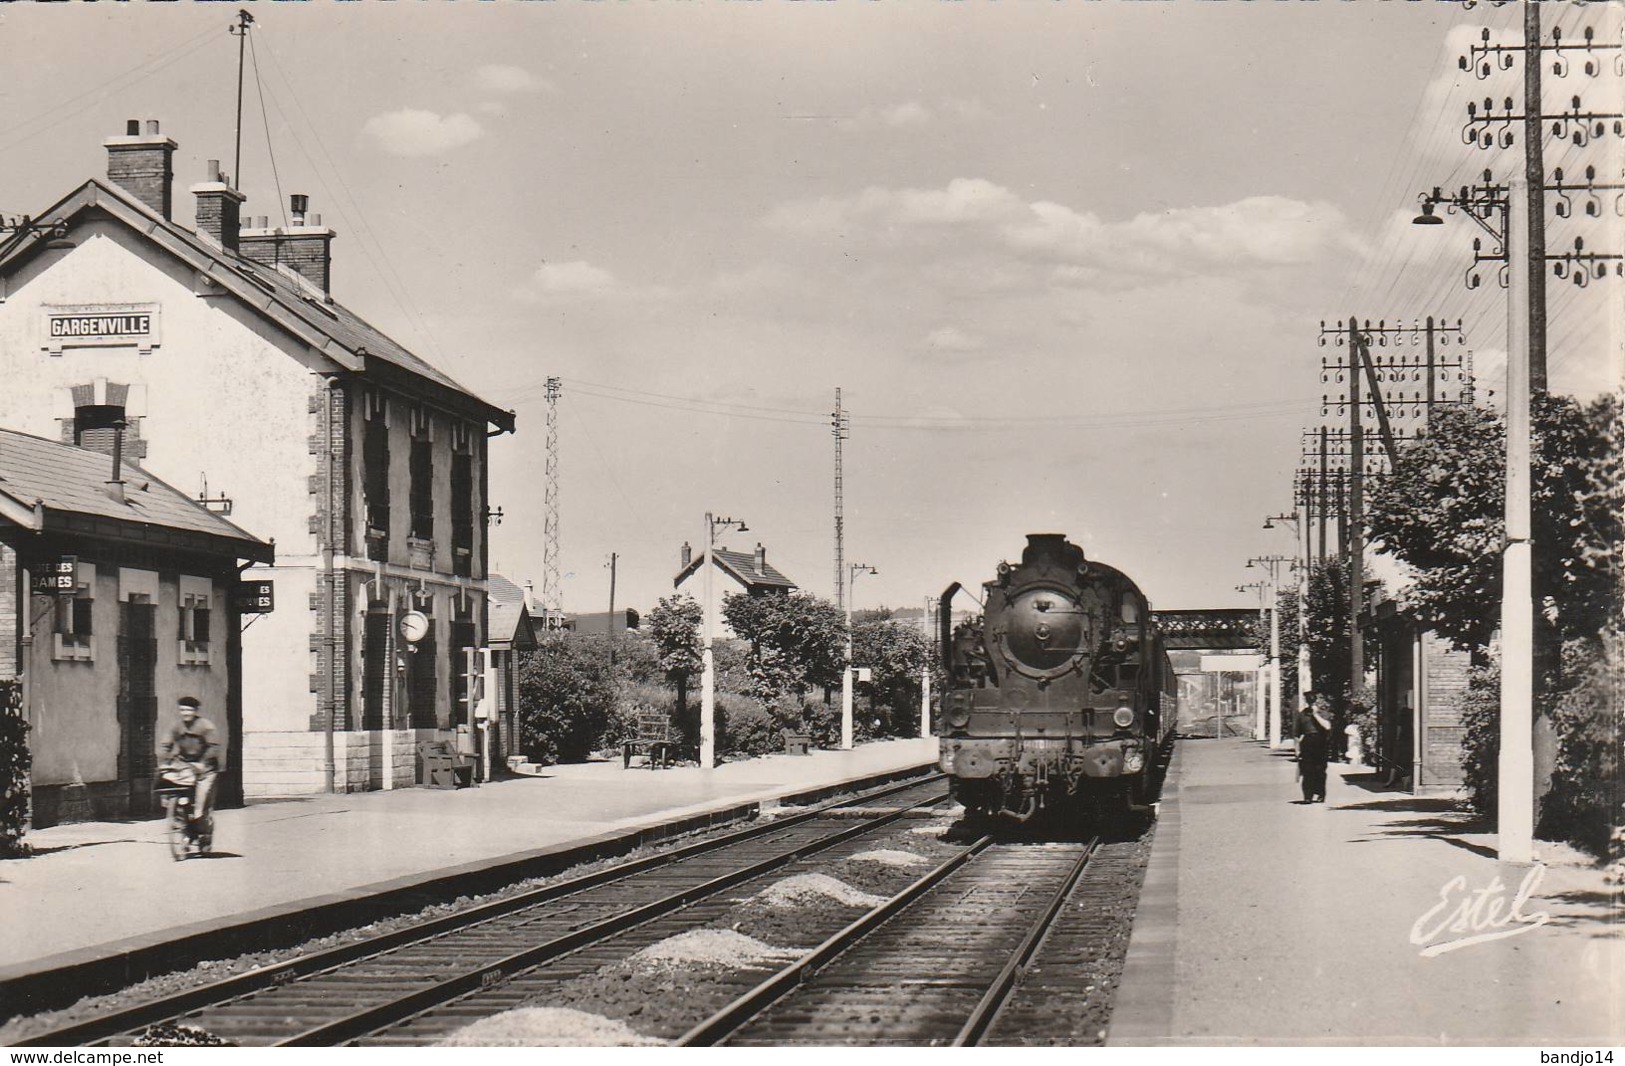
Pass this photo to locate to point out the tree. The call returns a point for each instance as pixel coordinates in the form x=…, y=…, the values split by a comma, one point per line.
x=674, y=625
x=1441, y=512
x=1327, y=626
x=568, y=698
x=1286, y=607
x=898, y=654
x=797, y=642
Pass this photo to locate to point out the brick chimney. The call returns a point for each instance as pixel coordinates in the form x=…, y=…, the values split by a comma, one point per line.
x=305, y=246
x=142, y=164
x=219, y=207
x=761, y=559
x=688, y=555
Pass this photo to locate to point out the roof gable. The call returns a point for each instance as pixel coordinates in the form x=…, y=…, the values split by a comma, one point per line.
x=741, y=566
x=289, y=302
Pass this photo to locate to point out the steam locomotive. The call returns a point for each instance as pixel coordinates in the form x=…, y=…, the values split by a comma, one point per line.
x=1060, y=695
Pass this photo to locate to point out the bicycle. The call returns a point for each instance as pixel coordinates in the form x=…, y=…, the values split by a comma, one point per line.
x=176, y=786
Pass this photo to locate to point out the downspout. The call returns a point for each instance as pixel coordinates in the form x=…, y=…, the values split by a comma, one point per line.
x=329, y=767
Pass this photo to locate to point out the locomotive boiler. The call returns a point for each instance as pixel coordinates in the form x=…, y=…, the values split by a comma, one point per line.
x=1060, y=694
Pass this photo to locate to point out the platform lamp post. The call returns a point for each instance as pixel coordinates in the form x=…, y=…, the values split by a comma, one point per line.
x=1300, y=527
x=1515, y=820
x=1272, y=563
x=708, y=671
x=852, y=572
x=1259, y=726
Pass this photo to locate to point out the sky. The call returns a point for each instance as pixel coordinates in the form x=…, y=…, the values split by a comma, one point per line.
x=1068, y=261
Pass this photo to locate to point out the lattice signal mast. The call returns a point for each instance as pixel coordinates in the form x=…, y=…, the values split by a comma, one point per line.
x=552, y=593
x=840, y=426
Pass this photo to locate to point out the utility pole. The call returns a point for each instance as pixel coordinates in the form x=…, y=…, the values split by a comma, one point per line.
x=708, y=671
x=925, y=671
x=1522, y=251
x=552, y=594
x=1272, y=563
x=1325, y=496
x=846, y=673
x=1356, y=516
x=1534, y=176
x=240, y=31
x=1260, y=727
x=1515, y=778
x=839, y=423
x=610, y=628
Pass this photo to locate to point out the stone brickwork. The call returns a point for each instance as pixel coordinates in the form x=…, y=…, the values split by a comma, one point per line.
x=8, y=613
x=293, y=764
x=144, y=167
x=306, y=250
x=1446, y=674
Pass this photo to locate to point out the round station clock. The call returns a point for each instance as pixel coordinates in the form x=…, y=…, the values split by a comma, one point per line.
x=414, y=626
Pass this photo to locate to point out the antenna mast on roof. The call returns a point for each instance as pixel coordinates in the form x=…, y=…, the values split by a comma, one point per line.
x=240, y=31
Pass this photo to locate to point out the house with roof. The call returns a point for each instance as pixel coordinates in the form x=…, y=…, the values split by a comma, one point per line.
x=218, y=352
x=510, y=631
x=747, y=572
x=119, y=594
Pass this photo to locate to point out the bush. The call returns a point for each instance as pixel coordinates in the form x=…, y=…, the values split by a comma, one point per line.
x=15, y=762
x=567, y=699
x=1480, y=707
x=1583, y=806
x=747, y=728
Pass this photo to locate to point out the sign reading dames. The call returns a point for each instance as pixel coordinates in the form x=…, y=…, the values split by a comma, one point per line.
x=60, y=576
x=101, y=326
x=255, y=597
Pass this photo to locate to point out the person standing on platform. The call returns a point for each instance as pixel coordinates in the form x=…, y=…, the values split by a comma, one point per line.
x=1314, y=733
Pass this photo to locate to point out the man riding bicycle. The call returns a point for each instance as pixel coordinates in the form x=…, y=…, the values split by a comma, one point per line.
x=191, y=743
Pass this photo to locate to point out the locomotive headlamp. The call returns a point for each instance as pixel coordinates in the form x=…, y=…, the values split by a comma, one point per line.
x=1123, y=717
x=1134, y=761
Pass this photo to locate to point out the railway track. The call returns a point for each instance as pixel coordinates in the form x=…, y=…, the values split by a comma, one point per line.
x=933, y=965
x=348, y=993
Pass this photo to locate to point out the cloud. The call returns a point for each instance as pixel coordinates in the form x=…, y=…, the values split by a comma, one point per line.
x=577, y=278
x=952, y=339
x=409, y=132
x=506, y=79
x=918, y=113
x=971, y=213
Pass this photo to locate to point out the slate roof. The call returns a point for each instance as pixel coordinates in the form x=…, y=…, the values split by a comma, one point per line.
x=291, y=302
x=38, y=473
x=506, y=604
x=742, y=567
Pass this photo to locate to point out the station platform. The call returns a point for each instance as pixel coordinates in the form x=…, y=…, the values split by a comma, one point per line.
x=1371, y=919
x=101, y=900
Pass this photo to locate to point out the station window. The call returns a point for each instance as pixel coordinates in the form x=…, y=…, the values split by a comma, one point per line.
x=73, y=621
x=422, y=488
x=195, y=621
x=462, y=514
x=375, y=477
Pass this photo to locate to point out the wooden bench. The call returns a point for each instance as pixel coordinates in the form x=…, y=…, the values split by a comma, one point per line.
x=654, y=739
x=440, y=766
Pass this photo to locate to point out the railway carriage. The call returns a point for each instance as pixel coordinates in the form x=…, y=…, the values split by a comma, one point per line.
x=1060, y=695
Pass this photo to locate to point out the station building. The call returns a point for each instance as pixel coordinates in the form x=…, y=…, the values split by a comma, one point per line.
x=737, y=572
x=117, y=598
x=219, y=352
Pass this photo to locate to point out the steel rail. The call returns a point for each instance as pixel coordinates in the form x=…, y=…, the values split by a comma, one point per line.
x=165, y=1008
x=981, y=1018
x=725, y=1021
x=372, y=1019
